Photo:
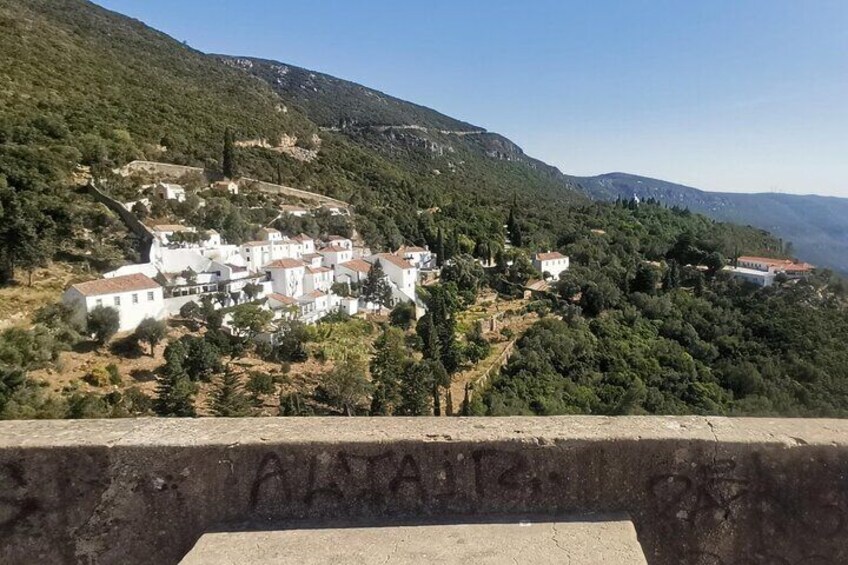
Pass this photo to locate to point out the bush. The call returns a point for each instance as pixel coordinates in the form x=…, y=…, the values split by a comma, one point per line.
x=98, y=376
x=114, y=374
x=102, y=323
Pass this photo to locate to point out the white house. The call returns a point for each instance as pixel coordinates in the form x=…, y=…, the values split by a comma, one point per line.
x=339, y=241
x=135, y=297
x=317, y=278
x=297, y=211
x=353, y=271
x=552, y=263
x=229, y=185
x=753, y=276
x=256, y=254
x=791, y=269
x=314, y=306
x=270, y=234
x=419, y=257
x=283, y=307
x=307, y=244
x=400, y=272
x=168, y=191
x=313, y=259
x=286, y=276
x=335, y=254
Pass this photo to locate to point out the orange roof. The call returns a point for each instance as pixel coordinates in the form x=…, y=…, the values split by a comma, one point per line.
x=115, y=285
x=395, y=260
x=549, y=256
x=314, y=270
x=256, y=243
x=780, y=263
x=333, y=249
x=283, y=298
x=410, y=249
x=171, y=227
x=301, y=237
x=357, y=265
x=311, y=256
x=285, y=264
x=269, y=230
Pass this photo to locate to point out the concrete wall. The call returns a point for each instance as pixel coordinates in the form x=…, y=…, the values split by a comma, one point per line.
x=130, y=220
x=701, y=491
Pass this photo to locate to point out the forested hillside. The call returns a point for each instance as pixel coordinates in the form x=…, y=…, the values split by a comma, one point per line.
x=817, y=226
x=645, y=321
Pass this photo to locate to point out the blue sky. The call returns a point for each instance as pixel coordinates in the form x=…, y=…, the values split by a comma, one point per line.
x=722, y=95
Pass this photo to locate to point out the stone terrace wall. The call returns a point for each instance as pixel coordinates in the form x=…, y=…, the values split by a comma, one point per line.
x=701, y=491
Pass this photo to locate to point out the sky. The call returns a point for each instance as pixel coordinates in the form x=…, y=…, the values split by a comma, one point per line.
x=730, y=95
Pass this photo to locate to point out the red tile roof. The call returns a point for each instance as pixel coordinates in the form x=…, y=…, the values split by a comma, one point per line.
x=357, y=265
x=549, y=256
x=311, y=256
x=333, y=249
x=284, y=264
x=283, y=298
x=171, y=227
x=315, y=270
x=115, y=285
x=410, y=249
x=778, y=263
x=395, y=260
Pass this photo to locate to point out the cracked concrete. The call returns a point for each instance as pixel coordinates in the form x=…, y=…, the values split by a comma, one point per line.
x=585, y=542
x=698, y=490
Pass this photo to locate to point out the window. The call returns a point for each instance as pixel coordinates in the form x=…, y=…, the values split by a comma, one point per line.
x=135, y=299
x=150, y=296
x=99, y=302
x=117, y=301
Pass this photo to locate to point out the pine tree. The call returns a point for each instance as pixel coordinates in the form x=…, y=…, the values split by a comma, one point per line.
x=229, y=156
x=671, y=277
x=426, y=330
x=440, y=248
x=389, y=365
x=174, y=391
x=228, y=399
x=465, y=409
x=375, y=287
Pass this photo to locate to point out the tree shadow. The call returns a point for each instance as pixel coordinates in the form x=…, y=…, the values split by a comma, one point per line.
x=126, y=347
x=85, y=346
x=142, y=375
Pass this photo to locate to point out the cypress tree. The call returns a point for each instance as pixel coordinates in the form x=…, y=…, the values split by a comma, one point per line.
x=229, y=157
x=174, y=390
x=228, y=399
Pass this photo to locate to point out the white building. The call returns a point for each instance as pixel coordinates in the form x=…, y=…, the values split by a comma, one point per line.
x=168, y=191
x=552, y=263
x=297, y=211
x=314, y=306
x=307, y=244
x=313, y=259
x=400, y=272
x=335, y=254
x=762, y=271
x=270, y=234
x=230, y=186
x=419, y=257
x=286, y=276
x=353, y=271
x=339, y=241
x=317, y=278
x=135, y=297
x=256, y=254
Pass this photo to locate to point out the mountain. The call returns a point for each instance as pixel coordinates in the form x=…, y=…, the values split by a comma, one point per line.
x=817, y=226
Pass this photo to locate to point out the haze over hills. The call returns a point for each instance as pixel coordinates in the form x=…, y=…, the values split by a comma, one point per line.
x=817, y=226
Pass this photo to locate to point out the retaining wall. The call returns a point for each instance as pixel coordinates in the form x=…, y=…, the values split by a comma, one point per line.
x=705, y=491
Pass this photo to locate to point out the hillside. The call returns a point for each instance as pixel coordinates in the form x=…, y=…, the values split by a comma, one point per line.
x=817, y=226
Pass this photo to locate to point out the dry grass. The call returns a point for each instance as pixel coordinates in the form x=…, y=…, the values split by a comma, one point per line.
x=19, y=301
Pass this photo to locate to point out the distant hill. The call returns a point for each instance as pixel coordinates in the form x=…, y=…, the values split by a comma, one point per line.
x=817, y=226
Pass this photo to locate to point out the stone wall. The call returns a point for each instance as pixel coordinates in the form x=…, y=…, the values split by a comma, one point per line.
x=701, y=491
x=130, y=220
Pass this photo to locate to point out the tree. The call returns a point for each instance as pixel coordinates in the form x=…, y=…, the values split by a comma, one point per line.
x=417, y=388
x=671, y=277
x=466, y=273
x=174, y=391
x=252, y=290
x=388, y=367
x=249, y=320
x=151, y=331
x=645, y=280
x=346, y=386
x=291, y=339
x=229, y=155
x=376, y=288
x=402, y=315
x=440, y=248
x=426, y=330
x=141, y=211
x=228, y=399
x=259, y=384
x=597, y=297
x=202, y=357
x=102, y=322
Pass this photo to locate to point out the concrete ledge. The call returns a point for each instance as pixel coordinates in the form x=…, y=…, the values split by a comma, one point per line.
x=701, y=491
x=541, y=542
